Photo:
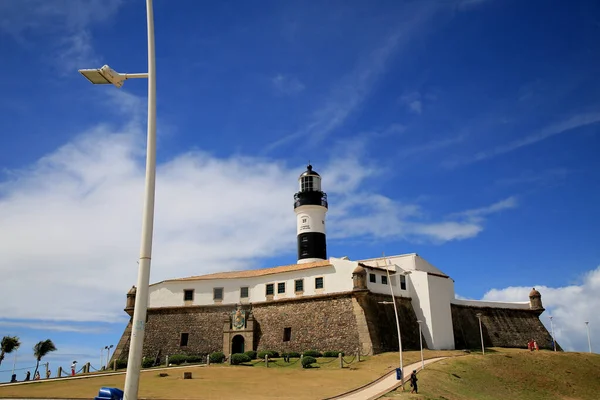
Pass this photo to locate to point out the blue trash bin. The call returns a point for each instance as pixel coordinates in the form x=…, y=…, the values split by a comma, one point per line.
x=107, y=393
x=398, y=374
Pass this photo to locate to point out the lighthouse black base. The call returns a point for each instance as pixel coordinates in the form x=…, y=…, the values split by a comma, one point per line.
x=312, y=245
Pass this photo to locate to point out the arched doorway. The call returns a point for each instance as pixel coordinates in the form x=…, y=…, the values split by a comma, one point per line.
x=237, y=344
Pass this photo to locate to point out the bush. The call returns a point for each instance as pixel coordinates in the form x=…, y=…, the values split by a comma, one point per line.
x=307, y=361
x=270, y=353
x=293, y=354
x=239, y=358
x=251, y=354
x=312, y=353
x=121, y=363
x=194, y=359
x=177, y=359
x=332, y=353
x=147, y=362
x=217, y=357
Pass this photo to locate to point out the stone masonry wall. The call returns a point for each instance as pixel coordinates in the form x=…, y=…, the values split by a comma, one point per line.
x=324, y=324
x=382, y=323
x=502, y=327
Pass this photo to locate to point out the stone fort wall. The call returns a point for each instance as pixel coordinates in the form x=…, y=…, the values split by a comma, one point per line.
x=341, y=322
x=501, y=327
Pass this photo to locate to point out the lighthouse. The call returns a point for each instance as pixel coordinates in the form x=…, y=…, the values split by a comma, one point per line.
x=310, y=206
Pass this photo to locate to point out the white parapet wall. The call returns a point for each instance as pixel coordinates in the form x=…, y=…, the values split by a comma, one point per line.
x=493, y=304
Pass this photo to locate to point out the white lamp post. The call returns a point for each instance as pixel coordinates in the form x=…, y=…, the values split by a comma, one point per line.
x=478, y=315
x=14, y=363
x=587, y=326
x=552, y=329
x=421, y=344
x=397, y=321
x=106, y=75
x=108, y=354
x=101, y=357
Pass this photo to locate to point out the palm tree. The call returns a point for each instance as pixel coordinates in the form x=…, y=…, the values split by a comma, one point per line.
x=41, y=349
x=9, y=343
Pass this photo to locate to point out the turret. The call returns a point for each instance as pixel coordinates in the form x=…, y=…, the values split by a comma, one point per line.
x=310, y=206
x=130, y=305
x=535, y=301
x=359, y=278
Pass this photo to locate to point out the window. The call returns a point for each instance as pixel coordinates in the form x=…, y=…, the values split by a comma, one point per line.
x=184, y=339
x=402, y=282
x=270, y=289
x=383, y=280
x=299, y=285
x=188, y=295
x=281, y=287
x=319, y=283
x=218, y=293
x=372, y=278
x=244, y=292
x=287, y=334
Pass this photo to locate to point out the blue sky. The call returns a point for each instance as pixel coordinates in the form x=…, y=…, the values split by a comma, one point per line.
x=465, y=131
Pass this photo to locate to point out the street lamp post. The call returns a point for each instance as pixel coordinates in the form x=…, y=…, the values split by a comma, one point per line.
x=421, y=344
x=397, y=322
x=478, y=315
x=14, y=363
x=105, y=75
x=108, y=354
x=101, y=357
x=552, y=329
x=587, y=326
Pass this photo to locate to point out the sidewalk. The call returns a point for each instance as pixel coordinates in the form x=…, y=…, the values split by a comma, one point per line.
x=383, y=385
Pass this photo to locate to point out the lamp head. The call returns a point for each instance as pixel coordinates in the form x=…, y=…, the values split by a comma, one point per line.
x=103, y=76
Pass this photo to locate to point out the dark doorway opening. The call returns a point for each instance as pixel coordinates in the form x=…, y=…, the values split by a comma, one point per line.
x=237, y=344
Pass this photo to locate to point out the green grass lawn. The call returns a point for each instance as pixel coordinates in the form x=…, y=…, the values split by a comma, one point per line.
x=510, y=374
x=233, y=382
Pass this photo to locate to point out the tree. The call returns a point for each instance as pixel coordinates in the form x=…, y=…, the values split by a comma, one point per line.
x=41, y=349
x=9, y=343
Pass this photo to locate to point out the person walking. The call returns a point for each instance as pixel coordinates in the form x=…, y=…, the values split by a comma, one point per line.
x=413, y=382
x=73, y=366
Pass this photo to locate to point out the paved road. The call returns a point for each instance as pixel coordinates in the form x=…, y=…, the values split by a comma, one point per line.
x=383, y=385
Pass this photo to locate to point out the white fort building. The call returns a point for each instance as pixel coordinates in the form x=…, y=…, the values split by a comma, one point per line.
x=326, y=303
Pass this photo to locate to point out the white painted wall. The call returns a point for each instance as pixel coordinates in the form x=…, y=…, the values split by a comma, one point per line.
x=494, y=304
x=336, y=278
x=441, y=291
x=310, y=218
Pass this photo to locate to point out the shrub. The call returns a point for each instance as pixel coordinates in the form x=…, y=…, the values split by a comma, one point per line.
x=307, y=361
x=194, y=359
x=217, y=357
x=312, y=353
x=121, y=363
x=239, y=358
x=177, y=359
x=332, y=353
x=251, y=354
x=270, y=353
x=293, y=354
x=147, y=362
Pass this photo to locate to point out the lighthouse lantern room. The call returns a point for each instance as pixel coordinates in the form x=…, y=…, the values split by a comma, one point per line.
x=310, y=206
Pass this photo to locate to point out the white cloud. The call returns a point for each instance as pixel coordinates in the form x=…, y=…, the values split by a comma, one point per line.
x=413, y=102
x=477, y=214
x=52, y=326
x=288, y=85
x=567, y=125
x=570, y=306
x=349, y=93
x=70, y=223
x=64, y=24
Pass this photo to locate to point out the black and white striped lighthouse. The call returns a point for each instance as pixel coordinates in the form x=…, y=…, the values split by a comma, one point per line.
x=310, y=206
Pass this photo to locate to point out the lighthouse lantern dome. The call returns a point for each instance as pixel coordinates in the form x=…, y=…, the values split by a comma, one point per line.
x=309, y=180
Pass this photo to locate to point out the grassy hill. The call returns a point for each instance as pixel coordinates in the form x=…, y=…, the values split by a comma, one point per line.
x=510, y=374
